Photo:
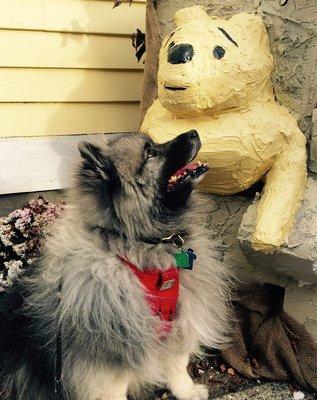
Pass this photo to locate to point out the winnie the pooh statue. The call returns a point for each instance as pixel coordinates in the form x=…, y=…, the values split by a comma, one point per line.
x=215, y=76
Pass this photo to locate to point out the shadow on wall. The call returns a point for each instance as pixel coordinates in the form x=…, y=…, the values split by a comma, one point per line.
x=106, y=97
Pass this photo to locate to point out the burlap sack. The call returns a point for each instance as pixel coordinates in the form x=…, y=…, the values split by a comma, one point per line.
x=268, y=343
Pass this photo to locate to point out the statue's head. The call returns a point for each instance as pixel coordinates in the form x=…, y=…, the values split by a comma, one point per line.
x=212, y=64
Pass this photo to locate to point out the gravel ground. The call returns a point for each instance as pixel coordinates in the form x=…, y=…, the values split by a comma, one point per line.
x=249, y=390
x=225, y=384
x=267, y=391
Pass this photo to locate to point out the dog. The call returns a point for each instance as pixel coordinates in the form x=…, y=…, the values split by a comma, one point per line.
x=83, y=324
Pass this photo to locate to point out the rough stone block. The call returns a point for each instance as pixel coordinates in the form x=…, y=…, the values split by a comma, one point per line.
x=299, y=302
x=224, y=223
x=298, y=257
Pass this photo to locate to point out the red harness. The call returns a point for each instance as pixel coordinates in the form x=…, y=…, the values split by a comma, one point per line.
x=162, y=289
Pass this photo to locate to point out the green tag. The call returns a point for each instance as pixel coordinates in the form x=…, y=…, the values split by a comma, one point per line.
x=182, y=260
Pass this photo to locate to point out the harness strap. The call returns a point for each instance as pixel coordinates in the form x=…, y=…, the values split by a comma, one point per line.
x=162, y=291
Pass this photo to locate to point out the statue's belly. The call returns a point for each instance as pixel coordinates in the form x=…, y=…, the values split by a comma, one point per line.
x=234, y=164
x=230, y=171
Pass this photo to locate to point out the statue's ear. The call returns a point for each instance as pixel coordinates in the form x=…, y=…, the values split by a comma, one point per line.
x=252, y=25
x=188, y=14
x=251, y=30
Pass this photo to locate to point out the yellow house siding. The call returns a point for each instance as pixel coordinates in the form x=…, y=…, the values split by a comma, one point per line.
x=37, y=49
x=32, y=119
x=83, y=16
x=67, y=67
x=68, y=85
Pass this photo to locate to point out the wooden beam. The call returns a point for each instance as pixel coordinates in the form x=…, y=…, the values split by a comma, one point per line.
x=36, y=164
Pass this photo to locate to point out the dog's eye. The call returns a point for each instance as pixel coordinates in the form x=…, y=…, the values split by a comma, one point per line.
x=151, y=153
x=219, y=52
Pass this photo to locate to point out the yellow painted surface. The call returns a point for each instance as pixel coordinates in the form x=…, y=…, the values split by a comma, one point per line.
x=89, y=16
x=67, y=67
x=65, y=50
x=246, y=136
x=35, y=119
x=68, y=85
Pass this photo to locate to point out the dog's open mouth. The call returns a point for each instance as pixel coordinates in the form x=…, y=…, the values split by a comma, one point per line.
x=194, y=171
x=175, y=88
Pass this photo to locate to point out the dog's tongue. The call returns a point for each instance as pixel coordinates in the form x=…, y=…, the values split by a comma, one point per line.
x=188, y=167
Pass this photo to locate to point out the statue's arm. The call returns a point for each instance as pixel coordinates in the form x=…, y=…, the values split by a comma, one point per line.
x=282, y=194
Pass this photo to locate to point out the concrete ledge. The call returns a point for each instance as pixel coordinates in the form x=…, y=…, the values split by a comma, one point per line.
x=301, y=304
x=297, y=258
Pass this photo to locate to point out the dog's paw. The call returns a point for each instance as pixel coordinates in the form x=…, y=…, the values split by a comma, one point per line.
x=200, y=392
x=197, y=392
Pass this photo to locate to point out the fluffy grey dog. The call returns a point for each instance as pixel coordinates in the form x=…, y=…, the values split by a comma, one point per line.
x=85, y=314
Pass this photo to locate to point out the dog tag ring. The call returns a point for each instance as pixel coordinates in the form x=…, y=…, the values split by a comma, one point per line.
x=175, y=239
x=184, y=258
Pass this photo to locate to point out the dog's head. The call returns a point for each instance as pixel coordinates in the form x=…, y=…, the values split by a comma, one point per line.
x=136, y=187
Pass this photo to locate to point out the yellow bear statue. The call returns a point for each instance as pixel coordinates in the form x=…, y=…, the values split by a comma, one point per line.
x=215, y=76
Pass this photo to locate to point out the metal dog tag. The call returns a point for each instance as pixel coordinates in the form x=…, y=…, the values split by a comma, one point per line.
x=185, y=259
x=192, y=257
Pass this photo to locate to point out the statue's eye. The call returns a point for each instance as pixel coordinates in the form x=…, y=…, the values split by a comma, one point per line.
x=219, y=52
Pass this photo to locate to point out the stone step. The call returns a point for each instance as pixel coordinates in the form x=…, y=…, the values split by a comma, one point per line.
x=298, y=257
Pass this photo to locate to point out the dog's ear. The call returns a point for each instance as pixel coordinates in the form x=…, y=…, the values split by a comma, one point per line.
x=96, y=167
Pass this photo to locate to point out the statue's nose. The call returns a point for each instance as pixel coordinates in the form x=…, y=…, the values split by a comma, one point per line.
x=180, y=54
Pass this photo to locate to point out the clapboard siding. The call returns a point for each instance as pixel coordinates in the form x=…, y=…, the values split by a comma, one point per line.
x=65, y=50
x=68, y=85
x=81, y=16
x=36, y=119
x=67, y=68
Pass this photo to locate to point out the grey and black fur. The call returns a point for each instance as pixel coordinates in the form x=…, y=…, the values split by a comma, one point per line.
x=120, y=205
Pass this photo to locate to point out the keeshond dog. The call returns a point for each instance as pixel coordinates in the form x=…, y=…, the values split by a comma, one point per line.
x=85, y=323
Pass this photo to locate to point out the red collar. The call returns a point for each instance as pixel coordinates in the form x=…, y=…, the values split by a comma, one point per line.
x=162, y=291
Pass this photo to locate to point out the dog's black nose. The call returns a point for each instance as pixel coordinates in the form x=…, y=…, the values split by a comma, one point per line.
x=193, y=134
x=180, y=54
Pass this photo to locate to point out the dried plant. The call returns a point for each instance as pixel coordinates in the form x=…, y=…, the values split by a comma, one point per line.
x=138, y=43
x=118, y=2
x=21, y=233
